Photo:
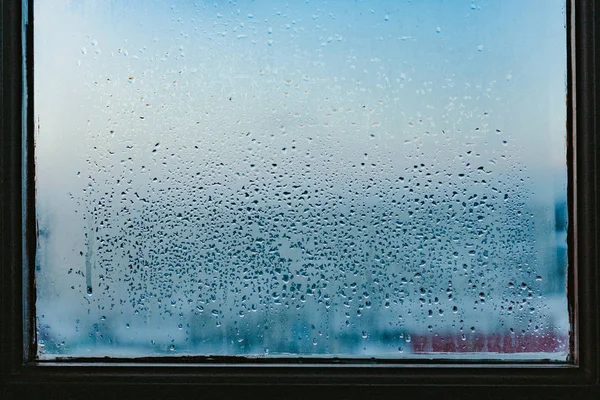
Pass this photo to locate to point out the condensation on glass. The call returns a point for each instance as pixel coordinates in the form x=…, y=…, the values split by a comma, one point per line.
x=327, y=179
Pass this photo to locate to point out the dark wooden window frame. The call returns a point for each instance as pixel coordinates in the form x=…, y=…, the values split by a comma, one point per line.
x=22, y=377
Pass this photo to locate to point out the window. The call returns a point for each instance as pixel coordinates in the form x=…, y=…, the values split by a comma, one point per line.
x=300, y=179
x=23, y=372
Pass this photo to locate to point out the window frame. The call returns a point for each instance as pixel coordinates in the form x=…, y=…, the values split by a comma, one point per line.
x=24, y=377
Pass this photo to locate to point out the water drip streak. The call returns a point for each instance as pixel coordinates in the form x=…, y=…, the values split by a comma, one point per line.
x=88, y=260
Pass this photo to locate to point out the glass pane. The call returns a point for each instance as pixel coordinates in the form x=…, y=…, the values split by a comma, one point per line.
x=351, y=179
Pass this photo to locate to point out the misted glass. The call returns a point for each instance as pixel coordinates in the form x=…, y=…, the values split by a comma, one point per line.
x=320, y=179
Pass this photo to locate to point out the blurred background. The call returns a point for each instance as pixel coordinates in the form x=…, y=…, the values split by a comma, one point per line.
x=318, y=178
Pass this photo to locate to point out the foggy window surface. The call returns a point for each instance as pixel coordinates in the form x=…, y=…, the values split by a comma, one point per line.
x=318, y=178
